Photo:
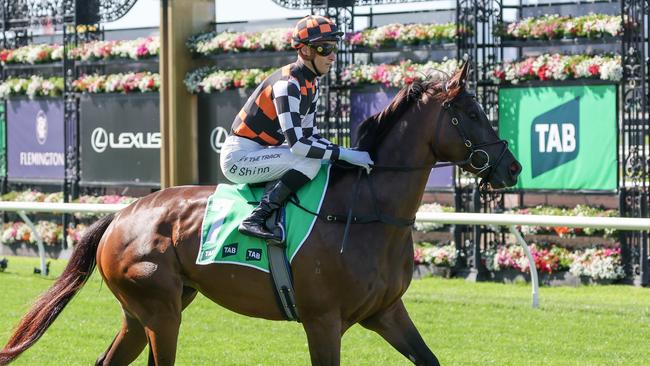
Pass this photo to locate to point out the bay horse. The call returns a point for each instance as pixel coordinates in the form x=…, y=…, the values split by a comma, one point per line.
x=146, y=253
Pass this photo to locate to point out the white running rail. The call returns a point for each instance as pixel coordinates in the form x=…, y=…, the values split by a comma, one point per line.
x=23, y=208
x=510, y=220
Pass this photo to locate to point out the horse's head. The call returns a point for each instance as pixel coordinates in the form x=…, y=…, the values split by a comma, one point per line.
x=466, y=137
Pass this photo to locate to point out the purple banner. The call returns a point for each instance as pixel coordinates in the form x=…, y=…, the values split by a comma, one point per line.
x=35, y=139
x=372, y=99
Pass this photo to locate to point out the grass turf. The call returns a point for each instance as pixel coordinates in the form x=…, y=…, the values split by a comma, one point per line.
x=463, y=323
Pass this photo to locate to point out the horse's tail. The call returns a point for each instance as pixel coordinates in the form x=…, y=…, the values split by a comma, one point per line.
x=50, y=304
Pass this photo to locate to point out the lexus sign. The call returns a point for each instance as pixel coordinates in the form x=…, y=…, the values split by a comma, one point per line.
x=218, y=138
x=120, y=139
x=100, y=140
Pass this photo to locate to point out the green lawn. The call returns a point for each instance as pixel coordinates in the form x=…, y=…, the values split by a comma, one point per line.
x=463, y=323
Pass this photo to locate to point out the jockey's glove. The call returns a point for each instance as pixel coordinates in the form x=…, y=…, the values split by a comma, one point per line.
x=355, y=157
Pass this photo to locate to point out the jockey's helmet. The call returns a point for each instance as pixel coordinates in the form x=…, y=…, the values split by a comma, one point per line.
x=314, y=28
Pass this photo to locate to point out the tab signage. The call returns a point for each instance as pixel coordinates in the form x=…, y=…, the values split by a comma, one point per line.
x=564, y=136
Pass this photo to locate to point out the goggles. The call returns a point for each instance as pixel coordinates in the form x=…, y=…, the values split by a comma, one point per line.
x=324, y=49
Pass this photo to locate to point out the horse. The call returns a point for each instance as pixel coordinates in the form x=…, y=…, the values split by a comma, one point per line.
x=146, y=252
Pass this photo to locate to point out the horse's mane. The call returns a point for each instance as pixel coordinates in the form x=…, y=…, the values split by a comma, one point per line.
x=374, y=129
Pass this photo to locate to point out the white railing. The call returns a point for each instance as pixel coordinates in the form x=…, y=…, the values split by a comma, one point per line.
x=23, y=208
x=619, y=223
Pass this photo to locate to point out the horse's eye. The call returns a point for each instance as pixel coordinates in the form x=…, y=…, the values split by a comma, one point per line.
x=473, y=115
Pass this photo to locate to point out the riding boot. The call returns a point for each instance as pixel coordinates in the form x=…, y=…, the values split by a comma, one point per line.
x=255, y=223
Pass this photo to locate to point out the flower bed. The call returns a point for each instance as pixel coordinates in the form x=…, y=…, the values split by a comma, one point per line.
x=16, y=232
x=74, y=233
x=596, y=263
x=563, y=231
x=32, y=54
x=36, y=196
x=554, y=26
x=559, y=67
x=393, y=35
x=142, y=82
x=431, y=226
x=137, y=49
x=109, y=199
x=213, y=43
x=35, y=86
x=32, y=196
x=396, y=75
x=211, y=79
x=441, y=256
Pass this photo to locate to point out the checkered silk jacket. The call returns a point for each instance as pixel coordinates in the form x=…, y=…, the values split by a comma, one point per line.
x=283, y=107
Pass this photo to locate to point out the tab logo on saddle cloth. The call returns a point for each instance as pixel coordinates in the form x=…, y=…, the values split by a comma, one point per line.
x=254, y=255
x=229, y=250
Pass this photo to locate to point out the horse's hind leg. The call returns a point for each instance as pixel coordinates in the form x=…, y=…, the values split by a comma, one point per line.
x=127, y=345
x=162, y=329
x=397, y=328
x=131, y=339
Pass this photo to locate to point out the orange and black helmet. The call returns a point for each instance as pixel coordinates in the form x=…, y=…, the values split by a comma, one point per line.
x=313, y=28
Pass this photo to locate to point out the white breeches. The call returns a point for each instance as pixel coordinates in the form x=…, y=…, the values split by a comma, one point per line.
x=246, y=161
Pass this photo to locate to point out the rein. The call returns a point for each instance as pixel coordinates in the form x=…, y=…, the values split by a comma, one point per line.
x=377, y=215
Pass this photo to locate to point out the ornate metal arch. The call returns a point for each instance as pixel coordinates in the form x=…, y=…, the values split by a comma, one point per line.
x=28, y=13
x=309, y=4
x=112, y=10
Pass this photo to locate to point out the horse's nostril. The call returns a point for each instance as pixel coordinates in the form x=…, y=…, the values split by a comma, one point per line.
x=515, y=168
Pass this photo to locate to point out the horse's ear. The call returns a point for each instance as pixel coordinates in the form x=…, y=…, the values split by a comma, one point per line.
x=464, y=73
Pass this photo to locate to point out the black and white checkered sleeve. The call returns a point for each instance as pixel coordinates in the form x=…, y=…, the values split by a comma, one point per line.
x=286, y=97
x=308, y=124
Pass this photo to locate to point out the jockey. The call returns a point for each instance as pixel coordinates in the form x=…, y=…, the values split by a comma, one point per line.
x=274, y=137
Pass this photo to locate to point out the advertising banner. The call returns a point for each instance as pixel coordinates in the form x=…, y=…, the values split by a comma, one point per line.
x=216, y=111
x=365, y=102
x=35, y=139
x=564, y=137
x=120, y=139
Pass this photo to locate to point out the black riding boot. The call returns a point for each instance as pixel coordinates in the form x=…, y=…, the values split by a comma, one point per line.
x=255, y=223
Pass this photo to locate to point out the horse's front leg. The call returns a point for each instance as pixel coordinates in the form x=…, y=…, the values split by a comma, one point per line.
x=324, y=339
x=397, y=328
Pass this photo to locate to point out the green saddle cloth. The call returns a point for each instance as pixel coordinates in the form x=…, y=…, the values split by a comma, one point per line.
x=228, y=206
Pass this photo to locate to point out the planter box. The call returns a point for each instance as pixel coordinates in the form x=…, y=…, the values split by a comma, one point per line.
x=585, y=280
x=562, y=278
x=23, y=249
x=429, y=270
x=440, y=236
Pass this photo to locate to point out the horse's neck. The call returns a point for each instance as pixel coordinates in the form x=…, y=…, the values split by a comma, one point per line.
x=400, y=192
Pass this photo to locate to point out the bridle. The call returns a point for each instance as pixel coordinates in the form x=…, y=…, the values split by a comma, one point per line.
x=450, y=108
x=474, y=150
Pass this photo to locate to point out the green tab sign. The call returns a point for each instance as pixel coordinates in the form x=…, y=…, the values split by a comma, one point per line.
x=565, y=137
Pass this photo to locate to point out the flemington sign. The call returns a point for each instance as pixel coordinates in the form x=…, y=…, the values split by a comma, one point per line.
x=35, y=139
x=120, y=139
x=566, y=136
